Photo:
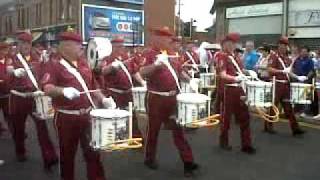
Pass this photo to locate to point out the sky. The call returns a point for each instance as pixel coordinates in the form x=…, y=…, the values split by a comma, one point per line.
x=198, y=10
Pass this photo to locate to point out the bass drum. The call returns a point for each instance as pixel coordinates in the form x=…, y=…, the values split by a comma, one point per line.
x=98, y=48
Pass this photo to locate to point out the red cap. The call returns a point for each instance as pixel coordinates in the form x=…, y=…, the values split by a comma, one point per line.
x=234, y=37
x=70, y=36
x=25, y=36
x=284, y=40
x=117, y=40
x=163, y=31
x=4, y=45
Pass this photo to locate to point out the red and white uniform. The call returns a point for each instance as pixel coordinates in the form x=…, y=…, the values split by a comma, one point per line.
x=231, y=104
x=161, y=108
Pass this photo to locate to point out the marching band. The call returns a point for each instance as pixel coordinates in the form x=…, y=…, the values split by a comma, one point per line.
x=89, y=96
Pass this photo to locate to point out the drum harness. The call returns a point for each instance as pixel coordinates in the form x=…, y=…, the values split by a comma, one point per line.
x=131, y=143
x=261, y=112
x=205, y=122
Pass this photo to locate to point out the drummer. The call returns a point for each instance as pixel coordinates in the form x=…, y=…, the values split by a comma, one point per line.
x=4, y=84
x=282, y=95
x=25, y=71
x=191, y=59
x=161, y=100
x=119, y=71
x=67, y=82
x=231, y=91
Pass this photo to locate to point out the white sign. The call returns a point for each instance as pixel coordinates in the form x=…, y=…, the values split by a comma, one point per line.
x=304, y=18
x=255, y=10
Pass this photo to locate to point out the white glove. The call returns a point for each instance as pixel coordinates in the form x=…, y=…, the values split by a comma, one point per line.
x=71, y=93
x=195, y=66
x=116, y=64
x=240, y=78
x=253, y=74
x=194, y=85
x=20, y=72
x=38, y=93
x=109, y=103
x=161, y=59
x=302, y=78
x=286, y=70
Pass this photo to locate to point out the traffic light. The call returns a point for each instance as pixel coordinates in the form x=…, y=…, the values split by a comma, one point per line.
x=187, y=29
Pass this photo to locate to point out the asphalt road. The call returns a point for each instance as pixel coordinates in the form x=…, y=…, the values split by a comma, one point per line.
x=279, y=157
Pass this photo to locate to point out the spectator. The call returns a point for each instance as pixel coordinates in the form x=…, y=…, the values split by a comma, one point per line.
x=262, y=64
x=251, y=57
x=303, y=66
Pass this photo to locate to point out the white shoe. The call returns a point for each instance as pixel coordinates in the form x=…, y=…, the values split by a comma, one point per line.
x=303, y=115
x=1, y=162
x=317, y=117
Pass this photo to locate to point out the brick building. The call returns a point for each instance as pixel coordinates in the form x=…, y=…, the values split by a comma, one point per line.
x=46, y=18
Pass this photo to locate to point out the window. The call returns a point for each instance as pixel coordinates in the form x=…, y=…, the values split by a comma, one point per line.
x=38, y=19
x=8, y=24
x=65, y=9
x=51, y=11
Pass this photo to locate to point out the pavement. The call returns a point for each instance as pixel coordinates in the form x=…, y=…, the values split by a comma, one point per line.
x=279, y=157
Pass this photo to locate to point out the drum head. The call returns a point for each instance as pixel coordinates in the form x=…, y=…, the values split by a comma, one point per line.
x=109, y=113
x=98, y=48
x=192, y=98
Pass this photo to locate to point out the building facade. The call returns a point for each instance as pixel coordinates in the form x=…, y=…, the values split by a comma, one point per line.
x=264, y=21
x=46, y=18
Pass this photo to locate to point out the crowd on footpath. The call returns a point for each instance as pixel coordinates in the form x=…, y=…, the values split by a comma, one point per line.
x=50, y=65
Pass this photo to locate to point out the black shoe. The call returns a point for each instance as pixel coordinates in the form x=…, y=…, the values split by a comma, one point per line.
x=189, y=169
x=151, y=165
x=225, y=146
x=249, y=150
x=270, y=131
x=21, y=158
x=49, y=165
x=298, y=132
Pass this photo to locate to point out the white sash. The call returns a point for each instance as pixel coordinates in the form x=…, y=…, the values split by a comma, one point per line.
x=173, y=73
x=236, y=65
x=124, y=68
x=78, y=76
x=284, y=66
x=28, y=70
x=191, y=58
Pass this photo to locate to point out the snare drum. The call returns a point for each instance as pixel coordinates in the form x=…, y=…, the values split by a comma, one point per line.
x=300, y=93
x=108, y=127
x=44, y=108
x=259, y=93
x=186, y=88
x=139, y=94
x=191, y=107
x=207, y=80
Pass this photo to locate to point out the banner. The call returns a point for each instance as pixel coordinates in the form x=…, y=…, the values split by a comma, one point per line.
x=132, y=1
x=111, y=22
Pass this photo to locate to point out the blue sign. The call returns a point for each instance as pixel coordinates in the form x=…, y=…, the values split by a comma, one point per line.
x=110, y=22
x=132, y=1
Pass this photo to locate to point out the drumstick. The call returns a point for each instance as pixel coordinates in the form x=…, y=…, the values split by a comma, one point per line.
x=90, y=91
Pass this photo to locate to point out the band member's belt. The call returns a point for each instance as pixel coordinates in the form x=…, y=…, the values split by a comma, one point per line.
x=21, y=94
x=75, y=112
x=4, y=96
x=119, y=90
x=282, y=81
x=233, y=85
x=167, y=94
